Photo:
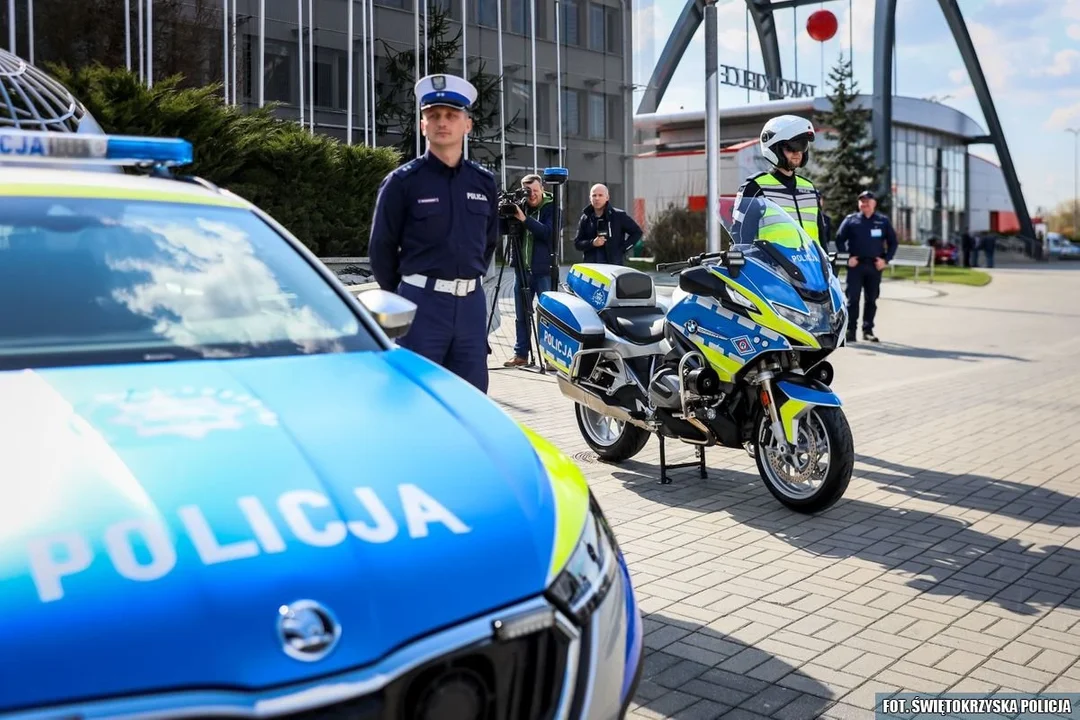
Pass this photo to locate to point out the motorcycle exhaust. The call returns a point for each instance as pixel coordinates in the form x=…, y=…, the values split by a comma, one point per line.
x=595, y=402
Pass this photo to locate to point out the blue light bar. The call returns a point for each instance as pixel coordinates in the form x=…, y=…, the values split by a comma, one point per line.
x=556, y=175
x=25, y=146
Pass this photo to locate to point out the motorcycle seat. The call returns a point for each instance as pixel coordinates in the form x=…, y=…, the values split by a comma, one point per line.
x=641, y=325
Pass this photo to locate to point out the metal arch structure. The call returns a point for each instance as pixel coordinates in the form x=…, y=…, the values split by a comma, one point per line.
x=884, y=40
x=690, y=19
x=761, y=11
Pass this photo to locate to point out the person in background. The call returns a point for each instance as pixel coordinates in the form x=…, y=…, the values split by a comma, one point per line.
x=605, y=233
x=869, y=238
x=434, y=233
x=536, y=254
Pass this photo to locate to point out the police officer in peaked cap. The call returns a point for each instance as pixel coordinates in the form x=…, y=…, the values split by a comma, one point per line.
x=435, y=231
x=868, y=237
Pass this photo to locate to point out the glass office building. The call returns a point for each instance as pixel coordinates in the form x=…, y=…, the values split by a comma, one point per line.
x=929, y=180
x=567, y=87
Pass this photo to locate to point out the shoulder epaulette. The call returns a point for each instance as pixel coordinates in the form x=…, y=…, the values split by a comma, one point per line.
x=480, y=167
x=409, y=168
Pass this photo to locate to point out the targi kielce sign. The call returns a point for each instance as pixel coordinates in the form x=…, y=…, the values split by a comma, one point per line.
x=738, y=77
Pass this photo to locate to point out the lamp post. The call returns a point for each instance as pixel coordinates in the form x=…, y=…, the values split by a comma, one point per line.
x=712, y=128
x=1076, y=182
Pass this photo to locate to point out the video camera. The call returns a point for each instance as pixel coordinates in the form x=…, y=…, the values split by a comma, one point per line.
x=511, y=199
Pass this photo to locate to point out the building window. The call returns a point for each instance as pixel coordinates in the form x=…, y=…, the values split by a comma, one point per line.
x=571, y=111
x=570, y=23
x=451, y=8
x=519, y=17
x=280, y=72
x=543, y=107
x=614, y=117
x=597, y=117
x=597, y=24
x=519, y=104
x=614, y=30
x=485, y=13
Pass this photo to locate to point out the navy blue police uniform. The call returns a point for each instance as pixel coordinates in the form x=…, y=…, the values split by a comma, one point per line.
x=866, y=239
x=433, y=235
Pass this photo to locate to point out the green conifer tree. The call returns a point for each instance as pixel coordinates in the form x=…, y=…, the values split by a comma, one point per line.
x=396, y=107
x=847, y=169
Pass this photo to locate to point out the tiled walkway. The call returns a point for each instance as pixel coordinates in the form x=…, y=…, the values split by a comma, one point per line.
x=952, y=563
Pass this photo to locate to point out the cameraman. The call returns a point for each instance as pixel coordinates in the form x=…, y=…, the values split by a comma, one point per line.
x=605, y=233
x=532, y=270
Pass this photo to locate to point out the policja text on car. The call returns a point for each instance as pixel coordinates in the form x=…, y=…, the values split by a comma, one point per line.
x=435, y=231
x=143, y=549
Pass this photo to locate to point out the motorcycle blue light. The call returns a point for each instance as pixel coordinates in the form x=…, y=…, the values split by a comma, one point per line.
x=23, y=146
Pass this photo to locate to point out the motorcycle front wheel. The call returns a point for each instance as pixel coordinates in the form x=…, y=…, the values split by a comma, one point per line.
x=613, y=440
x=817, y=474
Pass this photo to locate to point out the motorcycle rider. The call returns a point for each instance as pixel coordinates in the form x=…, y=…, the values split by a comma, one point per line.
x=785, y=143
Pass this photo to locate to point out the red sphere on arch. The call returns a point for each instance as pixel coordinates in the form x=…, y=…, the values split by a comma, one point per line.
x=821, y=25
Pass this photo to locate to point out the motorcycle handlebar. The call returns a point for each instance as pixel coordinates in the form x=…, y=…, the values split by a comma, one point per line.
x=694, y=261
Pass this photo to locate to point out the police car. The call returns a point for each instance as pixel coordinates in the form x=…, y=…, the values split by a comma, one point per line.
x=228, y=493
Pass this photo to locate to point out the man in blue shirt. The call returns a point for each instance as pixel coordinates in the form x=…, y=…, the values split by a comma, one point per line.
x=434, y=232
x=869, y=238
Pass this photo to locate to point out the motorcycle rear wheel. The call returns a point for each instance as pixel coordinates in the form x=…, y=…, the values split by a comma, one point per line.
x=613, y=440
x=803, y=485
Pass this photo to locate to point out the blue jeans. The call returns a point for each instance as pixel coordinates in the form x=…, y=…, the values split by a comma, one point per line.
x=537, y=285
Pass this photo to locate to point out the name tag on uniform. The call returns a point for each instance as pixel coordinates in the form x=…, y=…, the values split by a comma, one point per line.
x=875, y=232
x=476, y=196
x=425, y=201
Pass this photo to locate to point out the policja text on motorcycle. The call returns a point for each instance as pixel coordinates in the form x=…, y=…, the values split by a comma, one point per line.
x=434, y=232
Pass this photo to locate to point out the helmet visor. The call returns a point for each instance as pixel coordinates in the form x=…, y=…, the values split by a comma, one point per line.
x=799, y=144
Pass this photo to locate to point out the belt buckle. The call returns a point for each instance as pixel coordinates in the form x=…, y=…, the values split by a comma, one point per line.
x=461, y=287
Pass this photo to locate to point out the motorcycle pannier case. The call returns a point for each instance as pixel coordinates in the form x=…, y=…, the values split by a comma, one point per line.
x=565, y=325
x=610, y=286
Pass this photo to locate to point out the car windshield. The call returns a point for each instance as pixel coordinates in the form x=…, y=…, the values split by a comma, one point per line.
x=87, y=281
x=766, y=231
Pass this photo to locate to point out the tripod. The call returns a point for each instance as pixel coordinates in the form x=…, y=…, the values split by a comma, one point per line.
x=523, y=291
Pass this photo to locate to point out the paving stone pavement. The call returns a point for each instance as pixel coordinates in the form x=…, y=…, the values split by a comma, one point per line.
x=952, y=563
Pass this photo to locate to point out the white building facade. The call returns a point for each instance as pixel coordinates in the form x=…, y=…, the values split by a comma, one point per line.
x=939, y=187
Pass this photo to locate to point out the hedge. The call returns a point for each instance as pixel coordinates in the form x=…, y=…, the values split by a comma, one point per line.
x=318, y=187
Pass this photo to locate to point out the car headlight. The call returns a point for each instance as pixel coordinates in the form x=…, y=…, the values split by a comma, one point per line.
x=591, y=570
x=817, y=321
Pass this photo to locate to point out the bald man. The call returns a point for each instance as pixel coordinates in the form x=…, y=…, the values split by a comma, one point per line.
x=605, y=233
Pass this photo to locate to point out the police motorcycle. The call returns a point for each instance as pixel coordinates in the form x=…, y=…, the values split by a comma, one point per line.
x=738, y=359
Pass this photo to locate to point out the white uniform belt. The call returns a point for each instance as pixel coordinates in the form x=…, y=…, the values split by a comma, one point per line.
x=457, y=287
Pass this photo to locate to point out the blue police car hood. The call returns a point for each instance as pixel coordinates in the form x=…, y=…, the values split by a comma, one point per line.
x=157, y=516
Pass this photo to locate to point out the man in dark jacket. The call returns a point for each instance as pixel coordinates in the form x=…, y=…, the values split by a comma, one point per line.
x=536, y=251
x=605, y=233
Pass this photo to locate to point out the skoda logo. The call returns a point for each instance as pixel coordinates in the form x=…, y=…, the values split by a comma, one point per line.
x=691, y=327
x=307, y=630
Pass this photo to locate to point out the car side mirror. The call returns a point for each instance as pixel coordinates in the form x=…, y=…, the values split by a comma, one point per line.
x=393, y=313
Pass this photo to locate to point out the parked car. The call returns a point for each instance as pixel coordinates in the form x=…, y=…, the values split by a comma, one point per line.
x=945, y=253
x=228, y=493
x=1061, y=248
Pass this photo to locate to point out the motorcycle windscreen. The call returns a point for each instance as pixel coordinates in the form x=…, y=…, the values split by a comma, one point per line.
x=760, y=220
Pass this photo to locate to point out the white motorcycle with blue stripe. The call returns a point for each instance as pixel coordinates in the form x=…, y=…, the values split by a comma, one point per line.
x=737, y=360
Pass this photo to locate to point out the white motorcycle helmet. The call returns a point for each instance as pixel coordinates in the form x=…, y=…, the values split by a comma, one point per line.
x=796, y=132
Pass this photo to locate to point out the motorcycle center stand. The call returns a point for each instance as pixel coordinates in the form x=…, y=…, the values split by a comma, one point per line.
x=665, y=479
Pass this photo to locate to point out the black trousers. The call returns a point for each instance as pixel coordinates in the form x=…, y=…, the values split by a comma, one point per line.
x=862, y=279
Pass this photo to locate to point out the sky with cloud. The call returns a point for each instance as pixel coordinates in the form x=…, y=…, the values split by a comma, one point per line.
x=1029, y=51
